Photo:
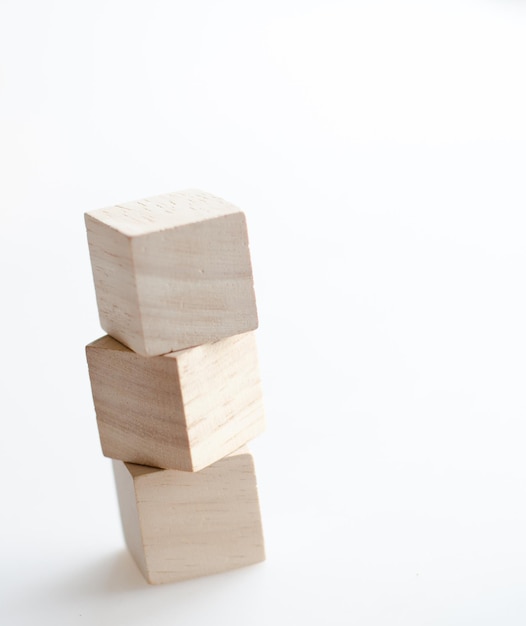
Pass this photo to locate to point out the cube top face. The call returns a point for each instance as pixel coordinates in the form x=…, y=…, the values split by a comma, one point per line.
x=171, y=274
x=179, y=525
x=163, y=212
x=184, y=410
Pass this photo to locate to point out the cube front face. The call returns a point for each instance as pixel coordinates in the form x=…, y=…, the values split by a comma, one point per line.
x=180, y=411
x=138, y=405
x=185, y=285
x=180, y=525
x=195, y=284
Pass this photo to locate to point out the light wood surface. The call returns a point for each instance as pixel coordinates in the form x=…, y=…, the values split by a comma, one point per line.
x=172, y=271
x=180, y=525
x=184, y=410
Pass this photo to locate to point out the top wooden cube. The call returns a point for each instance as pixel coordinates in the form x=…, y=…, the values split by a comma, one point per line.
x=172, y=272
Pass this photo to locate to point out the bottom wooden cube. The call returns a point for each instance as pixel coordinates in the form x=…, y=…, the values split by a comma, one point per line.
x=181, y=525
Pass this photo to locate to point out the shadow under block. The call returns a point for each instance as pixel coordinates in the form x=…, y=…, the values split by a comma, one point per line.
x=180, y=525
x=183, y=410
x=172, y=271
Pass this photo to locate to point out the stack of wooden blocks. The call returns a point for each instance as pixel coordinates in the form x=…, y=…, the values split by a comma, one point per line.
x=175, y=381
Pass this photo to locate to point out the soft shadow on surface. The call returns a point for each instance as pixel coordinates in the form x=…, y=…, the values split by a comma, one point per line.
x=109, y=575
x=117, y=574
x=113, y=573
x=110, y=590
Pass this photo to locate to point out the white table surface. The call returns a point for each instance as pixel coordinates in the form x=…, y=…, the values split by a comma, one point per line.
x=379, y=152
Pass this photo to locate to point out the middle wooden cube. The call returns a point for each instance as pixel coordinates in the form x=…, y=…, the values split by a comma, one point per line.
x=183, y=410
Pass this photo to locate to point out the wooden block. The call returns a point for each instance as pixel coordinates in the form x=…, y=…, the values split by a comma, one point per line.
x=180, y=525
x=184, y=410
x=172, y=271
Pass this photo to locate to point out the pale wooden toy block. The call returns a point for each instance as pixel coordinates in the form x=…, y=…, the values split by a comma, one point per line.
x=172, y=271
x=180, y=525
x=183, y=410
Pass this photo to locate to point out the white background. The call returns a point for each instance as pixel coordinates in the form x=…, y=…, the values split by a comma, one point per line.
x=379, y=152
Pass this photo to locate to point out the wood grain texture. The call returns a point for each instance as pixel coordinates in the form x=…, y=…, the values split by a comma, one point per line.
x=181, y=525
x=172, y=271
x=184, y=410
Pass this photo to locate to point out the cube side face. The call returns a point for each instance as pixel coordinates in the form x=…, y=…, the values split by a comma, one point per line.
x=131, y=526
x=138, y=406
x=115, y=286
x=195, y=524
x=222, y=397
x=194, y=284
